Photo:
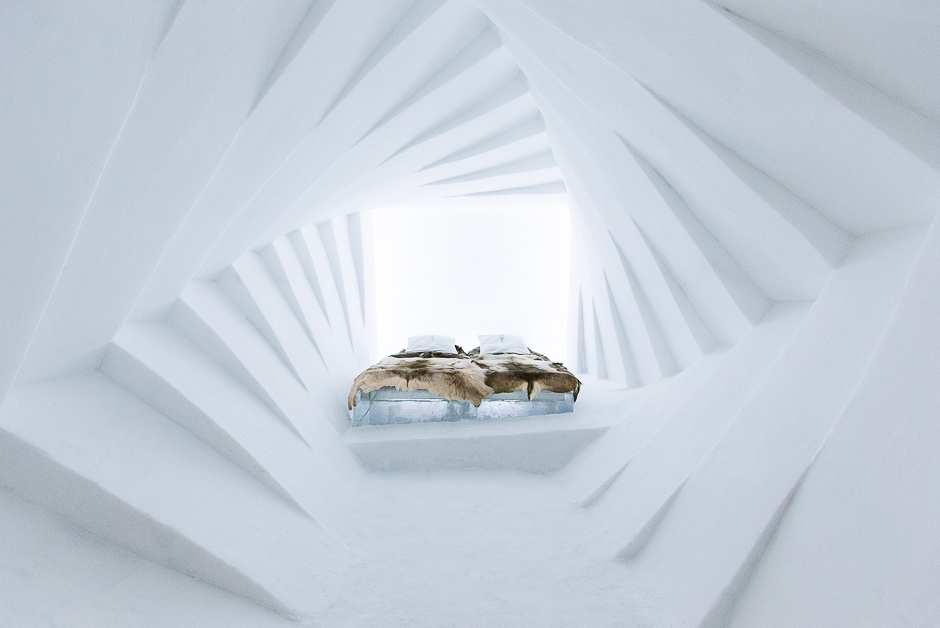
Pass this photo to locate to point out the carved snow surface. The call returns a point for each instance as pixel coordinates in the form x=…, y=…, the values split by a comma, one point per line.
x=187, y=289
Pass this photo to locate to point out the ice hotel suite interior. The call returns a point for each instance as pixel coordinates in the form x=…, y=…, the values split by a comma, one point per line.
x=191, y=280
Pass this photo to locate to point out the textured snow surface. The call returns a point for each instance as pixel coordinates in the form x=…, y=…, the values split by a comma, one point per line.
x=188, y=284
x=53, y=573
x=478, y=549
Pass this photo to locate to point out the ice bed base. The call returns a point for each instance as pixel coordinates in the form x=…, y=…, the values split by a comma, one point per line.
x=388, y=406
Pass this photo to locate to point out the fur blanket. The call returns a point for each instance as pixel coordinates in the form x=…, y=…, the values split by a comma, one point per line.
x=511, y=372
x=466, y=377
x=458, y=378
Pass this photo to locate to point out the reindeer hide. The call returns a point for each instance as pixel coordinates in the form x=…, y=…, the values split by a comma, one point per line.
x=456, y=378
x=467, y=377
x=510, y=372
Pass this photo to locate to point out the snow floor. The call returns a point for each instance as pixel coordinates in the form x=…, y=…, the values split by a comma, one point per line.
x=478, y=549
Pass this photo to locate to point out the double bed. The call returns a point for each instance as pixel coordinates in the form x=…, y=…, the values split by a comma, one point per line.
x=424, y=383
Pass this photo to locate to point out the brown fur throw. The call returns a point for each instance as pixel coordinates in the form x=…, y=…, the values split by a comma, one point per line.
x=467, y=377
x=509, y=372
x=458, y=378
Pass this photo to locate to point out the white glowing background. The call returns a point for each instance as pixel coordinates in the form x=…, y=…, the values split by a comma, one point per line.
x=469, y=271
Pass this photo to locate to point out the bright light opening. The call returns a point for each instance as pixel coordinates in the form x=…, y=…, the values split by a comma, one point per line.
x=469, y=271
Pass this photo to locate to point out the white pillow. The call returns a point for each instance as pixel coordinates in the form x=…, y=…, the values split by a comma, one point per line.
x=437, y=344
x=502, y=343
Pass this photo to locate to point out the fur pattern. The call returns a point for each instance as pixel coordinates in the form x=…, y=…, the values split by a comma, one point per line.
x=511, y=372
x=457, y=378
x=467, y=377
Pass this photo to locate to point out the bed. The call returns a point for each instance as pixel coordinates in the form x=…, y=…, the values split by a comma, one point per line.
x=441, y=382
